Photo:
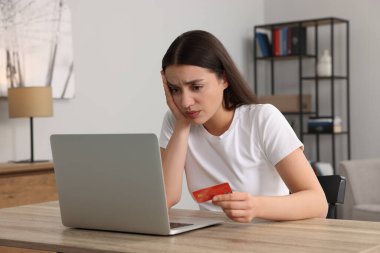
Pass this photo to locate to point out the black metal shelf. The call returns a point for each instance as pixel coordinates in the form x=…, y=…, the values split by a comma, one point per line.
x=285, y=57
x=304, y=23
x=339, y=133
x=298, y=113
x=312, y=25
x=313, y=78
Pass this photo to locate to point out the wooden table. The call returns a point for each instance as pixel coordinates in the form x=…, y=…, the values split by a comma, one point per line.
x=39, y=226
x=26, y=183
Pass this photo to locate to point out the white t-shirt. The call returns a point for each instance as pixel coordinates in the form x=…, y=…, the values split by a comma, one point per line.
x=244, y=156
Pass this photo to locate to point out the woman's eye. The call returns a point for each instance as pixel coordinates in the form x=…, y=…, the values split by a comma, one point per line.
x=173, y=90
x=197, y=87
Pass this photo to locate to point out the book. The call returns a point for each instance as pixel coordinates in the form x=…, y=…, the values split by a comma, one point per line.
x=264, y=44
x=289, y=42
x=276, y=42
x=324, y=125
x=298, y=40
x=284, y=40
x=320, y=125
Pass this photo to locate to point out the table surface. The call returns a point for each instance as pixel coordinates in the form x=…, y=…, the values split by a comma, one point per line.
x=12, y=168
x=39, y=226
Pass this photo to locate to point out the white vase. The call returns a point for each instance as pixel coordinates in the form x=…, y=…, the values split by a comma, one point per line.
x=324, y=66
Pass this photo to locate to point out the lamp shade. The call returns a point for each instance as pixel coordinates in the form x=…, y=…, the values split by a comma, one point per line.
x=30, y=102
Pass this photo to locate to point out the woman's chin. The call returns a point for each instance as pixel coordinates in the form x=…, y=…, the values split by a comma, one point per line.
x=198, y=121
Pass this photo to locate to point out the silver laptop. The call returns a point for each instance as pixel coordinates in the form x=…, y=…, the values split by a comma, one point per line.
x=114, y=182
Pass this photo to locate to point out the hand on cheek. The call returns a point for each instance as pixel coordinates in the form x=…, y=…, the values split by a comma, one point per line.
x=169, y=98
x=238, y=206
x=171, y=103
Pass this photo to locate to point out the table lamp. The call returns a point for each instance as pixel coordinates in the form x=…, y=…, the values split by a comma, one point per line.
x=30, y=102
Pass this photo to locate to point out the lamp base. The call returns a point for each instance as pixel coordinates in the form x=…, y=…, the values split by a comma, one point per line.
x=30, y=161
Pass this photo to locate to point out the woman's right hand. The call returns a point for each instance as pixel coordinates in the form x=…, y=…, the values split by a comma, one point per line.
x=178, y=114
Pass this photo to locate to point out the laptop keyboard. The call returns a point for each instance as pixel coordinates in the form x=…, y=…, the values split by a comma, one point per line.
x=178, y=225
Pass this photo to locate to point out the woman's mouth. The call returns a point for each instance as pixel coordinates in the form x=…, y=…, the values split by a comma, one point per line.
x=193, y=114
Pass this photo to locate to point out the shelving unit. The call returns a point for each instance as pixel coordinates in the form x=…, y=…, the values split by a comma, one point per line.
x=320, y=31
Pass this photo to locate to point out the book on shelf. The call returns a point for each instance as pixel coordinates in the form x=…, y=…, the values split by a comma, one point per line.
x=298, y=40
x=284, y=40
x=263, y=44
x=320, y=124
x=277, y=42
x=289, y=41
x=324, y=125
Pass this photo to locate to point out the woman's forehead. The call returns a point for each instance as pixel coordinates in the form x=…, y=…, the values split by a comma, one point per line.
x=186, y=73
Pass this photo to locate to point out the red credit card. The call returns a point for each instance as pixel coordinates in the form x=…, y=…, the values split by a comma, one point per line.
x=208, y=193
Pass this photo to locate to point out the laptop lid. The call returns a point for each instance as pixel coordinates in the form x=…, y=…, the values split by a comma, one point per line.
x=113, y=182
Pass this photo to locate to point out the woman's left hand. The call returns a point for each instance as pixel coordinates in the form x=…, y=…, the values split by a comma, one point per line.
x=238, y=206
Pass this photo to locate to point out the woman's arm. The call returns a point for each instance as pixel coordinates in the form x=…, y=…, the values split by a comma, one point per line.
x=173, y=163
x=306, y=201
x=174, y=156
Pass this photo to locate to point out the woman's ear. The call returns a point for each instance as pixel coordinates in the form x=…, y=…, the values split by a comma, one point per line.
x=225, y=81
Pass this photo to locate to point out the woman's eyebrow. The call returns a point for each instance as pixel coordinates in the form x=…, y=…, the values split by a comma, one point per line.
x=171, y=85
x=193, y=81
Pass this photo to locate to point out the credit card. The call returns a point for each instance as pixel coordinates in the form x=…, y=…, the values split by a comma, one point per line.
x=208, y=193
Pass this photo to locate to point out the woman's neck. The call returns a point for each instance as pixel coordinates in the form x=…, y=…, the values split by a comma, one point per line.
x=220, y=122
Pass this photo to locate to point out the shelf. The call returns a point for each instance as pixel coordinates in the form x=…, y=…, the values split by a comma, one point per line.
x=324, y=78
x=298, y=113
x=304, y=23
x=341, y=133
x=285, y=57
x=306, y=74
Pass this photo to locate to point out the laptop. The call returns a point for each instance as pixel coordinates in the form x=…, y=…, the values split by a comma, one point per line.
x=114, y=182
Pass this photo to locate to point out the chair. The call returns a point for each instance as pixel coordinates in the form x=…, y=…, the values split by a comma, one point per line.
x=363, y=190
x=334, y=187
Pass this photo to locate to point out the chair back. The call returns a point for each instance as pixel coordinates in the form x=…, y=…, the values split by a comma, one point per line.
x=334, y=187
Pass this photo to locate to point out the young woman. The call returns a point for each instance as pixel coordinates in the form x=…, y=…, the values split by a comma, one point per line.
x=215, y=132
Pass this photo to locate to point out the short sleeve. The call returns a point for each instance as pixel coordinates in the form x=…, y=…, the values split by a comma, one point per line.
x=277, y=136
x=167, y=129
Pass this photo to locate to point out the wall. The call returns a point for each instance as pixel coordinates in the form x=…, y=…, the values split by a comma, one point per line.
x=118, y=47
x=364, y=60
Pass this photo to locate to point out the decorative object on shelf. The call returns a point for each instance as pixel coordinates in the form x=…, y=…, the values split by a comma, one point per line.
x=30, y=102
x=36, y=46
x=324, y=64
x=338, y=128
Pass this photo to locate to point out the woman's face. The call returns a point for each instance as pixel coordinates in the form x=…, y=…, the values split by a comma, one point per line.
x=197, y=92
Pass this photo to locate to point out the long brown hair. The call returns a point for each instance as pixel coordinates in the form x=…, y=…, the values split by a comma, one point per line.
x=202, y=49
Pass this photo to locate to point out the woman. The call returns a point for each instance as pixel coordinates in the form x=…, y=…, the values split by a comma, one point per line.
x=216, y=133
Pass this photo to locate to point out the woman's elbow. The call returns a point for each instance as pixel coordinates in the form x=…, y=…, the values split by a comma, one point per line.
x=172, y=201
x=323, y=207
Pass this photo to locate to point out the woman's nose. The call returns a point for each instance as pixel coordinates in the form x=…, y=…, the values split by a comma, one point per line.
x=186, y=99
